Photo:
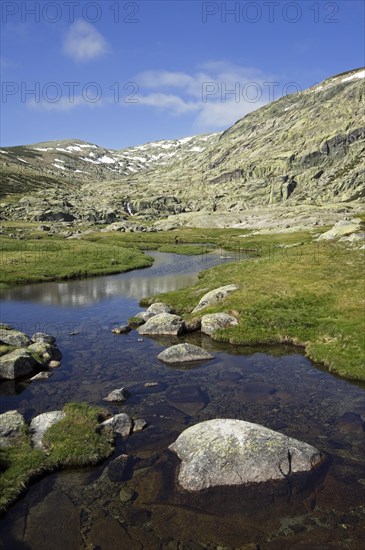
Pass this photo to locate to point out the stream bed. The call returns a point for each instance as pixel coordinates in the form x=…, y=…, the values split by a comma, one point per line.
x=139, y=506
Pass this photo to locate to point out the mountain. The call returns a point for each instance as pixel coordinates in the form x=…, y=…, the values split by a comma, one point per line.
x=305, y=149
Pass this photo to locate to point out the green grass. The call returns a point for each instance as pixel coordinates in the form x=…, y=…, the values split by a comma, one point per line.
x=310, y=295
x=74, y=441
x=49, y=259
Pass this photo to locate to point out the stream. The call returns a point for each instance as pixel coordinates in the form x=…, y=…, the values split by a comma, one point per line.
x=105, y=507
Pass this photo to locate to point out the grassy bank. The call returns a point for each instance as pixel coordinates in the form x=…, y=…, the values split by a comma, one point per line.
x=73, y=441
x=38, y=260
x=306, y=293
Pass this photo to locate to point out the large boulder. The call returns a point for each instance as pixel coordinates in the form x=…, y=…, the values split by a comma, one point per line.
x=182, y=353
x=214, y=296
x=17, y=364
x=11, y=426
x=41, y=423
x=163, y=323
x=14, y=338
x=225, y=452
x=216, y=321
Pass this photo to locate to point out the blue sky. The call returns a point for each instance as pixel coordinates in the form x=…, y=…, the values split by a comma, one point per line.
x=121, y=73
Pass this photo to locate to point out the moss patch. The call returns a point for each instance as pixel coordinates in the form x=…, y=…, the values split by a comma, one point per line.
x=74, y=441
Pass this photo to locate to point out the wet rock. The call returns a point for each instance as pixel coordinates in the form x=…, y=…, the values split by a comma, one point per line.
x=139, y=425
x=122, y=329
x=159, y=307
x=116, y=471
x=54, y=364
x=107, y=533
x=41, y=423
x=215, y=296
x=184, y=353
x=217, y=321
x=43, y=337
x=14, y=338
x=16, y=364
x=120, y=424
x=126, y=494
x=119, y=395
x=44, y=375
x=163, y=323
x=225, y=452
x=11, y=426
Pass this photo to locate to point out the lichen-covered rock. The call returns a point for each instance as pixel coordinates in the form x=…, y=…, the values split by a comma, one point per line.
x=216, y=321
x=11, y=425
x=214, y=296
x=163, y=323
x=43, y=337
x=159, y=307
x=46, y=352
x=17, y=364
x=224, y=452
x=184, y=353
x=14, y=338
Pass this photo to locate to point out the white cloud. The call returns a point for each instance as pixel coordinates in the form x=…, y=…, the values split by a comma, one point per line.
x=83, y=42
x=207, y=92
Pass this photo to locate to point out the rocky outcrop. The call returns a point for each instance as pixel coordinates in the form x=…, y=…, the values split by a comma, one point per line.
x=163, y=324
x=41, y=423
x=216, y=321
x=215, y=296
x=182, y=353
x=225, y=452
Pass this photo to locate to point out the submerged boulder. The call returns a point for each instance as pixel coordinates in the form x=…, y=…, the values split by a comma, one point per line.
x=214, y=296
x=224, y=452
x=184, y=353
x=163, y=323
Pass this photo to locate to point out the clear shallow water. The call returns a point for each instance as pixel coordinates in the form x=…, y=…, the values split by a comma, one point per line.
x=276, y=387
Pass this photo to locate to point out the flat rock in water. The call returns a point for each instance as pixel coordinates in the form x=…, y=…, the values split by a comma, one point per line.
x=224, y=452
x=217, y=321
x=184, y=353
x=187, y=399
x=41, y=423
x=163, y=323
x=215, y=296
x=44, y=375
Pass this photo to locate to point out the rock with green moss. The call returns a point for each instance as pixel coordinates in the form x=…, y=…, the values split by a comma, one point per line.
x=224, y=452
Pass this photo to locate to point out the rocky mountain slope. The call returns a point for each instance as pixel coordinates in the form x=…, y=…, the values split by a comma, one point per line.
x=304, y=150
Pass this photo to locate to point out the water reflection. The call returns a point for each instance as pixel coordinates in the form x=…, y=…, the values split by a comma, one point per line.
x=169, y=272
